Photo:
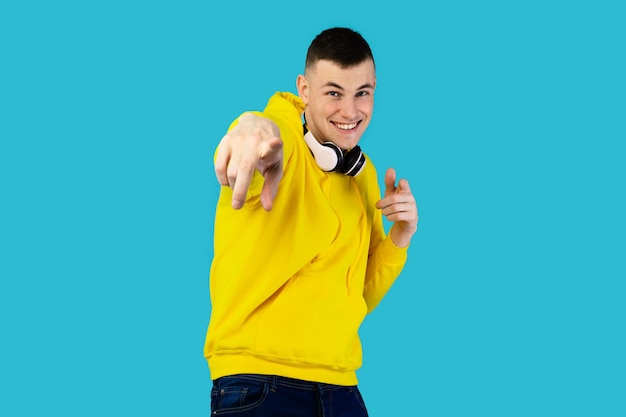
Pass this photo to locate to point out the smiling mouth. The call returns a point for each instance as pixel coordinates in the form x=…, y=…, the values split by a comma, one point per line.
x=346, y=126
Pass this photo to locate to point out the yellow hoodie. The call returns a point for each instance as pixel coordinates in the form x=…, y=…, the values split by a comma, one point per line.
x=290, y=287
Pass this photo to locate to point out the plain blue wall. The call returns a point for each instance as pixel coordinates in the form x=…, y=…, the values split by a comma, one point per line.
x=506, y=117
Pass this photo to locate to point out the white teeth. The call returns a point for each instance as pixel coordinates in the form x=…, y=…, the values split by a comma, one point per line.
x=346, y=126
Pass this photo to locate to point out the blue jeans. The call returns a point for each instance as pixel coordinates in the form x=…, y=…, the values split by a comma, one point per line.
x=252, y=395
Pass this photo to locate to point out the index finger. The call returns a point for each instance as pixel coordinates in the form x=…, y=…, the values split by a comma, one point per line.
x=245, y=172
x=403, y=186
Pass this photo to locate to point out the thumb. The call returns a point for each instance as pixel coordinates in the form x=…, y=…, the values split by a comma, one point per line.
x=270, y=185
x=390, y=182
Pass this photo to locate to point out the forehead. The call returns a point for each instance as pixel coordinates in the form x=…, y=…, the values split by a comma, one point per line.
x=324, y=72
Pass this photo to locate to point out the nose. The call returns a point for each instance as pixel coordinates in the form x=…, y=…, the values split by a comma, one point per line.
x=348, y=109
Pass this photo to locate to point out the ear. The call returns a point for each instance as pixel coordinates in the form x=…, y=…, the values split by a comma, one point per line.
x=303, y=88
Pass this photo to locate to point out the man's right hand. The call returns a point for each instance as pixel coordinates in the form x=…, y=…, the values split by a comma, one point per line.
x=253, y=144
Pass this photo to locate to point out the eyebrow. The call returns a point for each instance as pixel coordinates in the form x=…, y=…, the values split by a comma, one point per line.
x=337, y=86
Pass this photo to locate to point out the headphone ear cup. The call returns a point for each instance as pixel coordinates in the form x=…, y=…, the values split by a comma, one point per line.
x=353, y=162
x=335, y=158
x=327, y=155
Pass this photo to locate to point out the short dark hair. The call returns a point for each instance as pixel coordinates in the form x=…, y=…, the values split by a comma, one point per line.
x=341, y=46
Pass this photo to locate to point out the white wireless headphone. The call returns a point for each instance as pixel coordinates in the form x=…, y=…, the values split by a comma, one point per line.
x=332, y=158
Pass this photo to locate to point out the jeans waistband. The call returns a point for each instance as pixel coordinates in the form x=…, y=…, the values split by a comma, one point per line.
x=275, y=381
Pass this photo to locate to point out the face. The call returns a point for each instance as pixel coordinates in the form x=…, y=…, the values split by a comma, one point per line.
x=339, y=101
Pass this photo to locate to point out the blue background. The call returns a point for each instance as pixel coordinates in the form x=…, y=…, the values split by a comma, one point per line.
x=508, y=119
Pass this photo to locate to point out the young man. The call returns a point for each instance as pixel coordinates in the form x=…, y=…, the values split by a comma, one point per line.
x=301, y=255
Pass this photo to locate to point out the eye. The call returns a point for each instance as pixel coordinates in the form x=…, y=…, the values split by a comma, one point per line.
x=362, y=93
x=333, y=93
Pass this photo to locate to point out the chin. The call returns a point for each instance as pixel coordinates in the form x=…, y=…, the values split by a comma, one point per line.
x=346, y=141
x=349, y=144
